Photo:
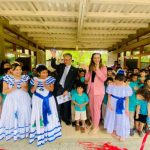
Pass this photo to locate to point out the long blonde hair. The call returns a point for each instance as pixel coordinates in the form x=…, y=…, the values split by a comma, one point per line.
x=92, y=62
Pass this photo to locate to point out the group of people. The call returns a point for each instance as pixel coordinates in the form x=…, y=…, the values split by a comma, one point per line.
x=29, y=106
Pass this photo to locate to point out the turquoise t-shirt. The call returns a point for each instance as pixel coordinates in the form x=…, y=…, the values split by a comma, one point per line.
x=82, y=79
x=132, y=98
x=143, y=107
x=80, y=99
x=1, y=78
x=105, y=100
x=1, y=94
x=74, y=91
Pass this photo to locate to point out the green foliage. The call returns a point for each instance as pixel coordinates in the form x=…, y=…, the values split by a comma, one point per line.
x=81, y=57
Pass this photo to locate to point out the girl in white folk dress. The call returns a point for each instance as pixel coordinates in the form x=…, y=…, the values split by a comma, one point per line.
x=16, y=111
x=117, y=112
x=45, y=125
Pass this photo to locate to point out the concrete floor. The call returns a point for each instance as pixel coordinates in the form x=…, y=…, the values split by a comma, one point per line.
x=70, y=139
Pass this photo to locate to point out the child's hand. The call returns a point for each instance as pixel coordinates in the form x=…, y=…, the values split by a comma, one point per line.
x=14, y=87
x=80, y=107
x=136, y=88
x=65, y=93
x=127, y=112
x=48, y=87
x=24, y=86
x=35, y=83
x=137, y=116
x=53, y=53
x=110, y=107
x=44, y=84
x=127, y=82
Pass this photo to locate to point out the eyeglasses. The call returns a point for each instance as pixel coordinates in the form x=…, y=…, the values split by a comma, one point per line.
x=67, y=59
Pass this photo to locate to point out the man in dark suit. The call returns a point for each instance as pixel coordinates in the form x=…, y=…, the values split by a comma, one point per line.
x=66, y=76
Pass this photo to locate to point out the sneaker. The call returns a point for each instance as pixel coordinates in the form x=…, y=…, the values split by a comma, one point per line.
x=73, y=124
x=147, y=129
x=140, y=133
x=131, y=132
x=82, y=129
x=77, y=128
x=88, y=122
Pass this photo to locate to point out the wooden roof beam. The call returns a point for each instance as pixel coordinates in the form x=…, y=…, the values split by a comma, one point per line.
x=14, y=30
x=19, y=42
x=123, y=2
x=82, y=10
x=134, y=45
x=38, y=13
x=118, y=15
x=74, y=24
x=139, y=34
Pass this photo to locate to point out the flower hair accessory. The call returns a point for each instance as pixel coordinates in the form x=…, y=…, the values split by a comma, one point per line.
x=39, y=65
x=120, y=71
x=15, y=62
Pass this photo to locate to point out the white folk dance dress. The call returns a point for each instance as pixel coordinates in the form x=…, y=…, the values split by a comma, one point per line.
x=117, y=120
x=16, y=111
x=45, y=125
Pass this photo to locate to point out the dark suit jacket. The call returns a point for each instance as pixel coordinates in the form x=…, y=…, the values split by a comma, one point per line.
x=70, y=79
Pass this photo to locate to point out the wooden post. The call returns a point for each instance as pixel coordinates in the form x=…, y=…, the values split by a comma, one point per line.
x=124, y=56
x=35, y=54
x=15, y=49
x=118, y=56
x=23, y=50
x=132, y=52
x=140, y=55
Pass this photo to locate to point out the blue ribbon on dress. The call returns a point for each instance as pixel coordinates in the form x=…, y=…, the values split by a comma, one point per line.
x=45, y=106
x=120, y=104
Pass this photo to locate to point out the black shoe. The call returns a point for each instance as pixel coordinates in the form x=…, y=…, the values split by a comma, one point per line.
x=131, y=132
x=88, y=123
x=73, y=123
x=80, y=123
x=140, y=133
x=68, y=123
x=147, y=129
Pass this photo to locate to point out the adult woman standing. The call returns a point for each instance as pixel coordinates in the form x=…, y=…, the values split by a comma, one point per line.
x=95, y=78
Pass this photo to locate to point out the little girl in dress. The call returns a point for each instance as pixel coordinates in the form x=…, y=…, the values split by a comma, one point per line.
x=117, y=111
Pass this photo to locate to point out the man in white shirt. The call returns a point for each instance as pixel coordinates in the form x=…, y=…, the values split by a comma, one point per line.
x=66, y=76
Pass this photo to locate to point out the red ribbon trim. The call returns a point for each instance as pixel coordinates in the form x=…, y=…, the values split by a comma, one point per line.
x=100, y=146
x=144, y=140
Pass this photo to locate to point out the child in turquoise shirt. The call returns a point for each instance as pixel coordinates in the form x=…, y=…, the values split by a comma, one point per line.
x=142, y=110
x=104, y=104
x=80, y=100
x=133, y=101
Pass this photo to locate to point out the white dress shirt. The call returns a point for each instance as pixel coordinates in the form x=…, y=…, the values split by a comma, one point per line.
x=65, y=73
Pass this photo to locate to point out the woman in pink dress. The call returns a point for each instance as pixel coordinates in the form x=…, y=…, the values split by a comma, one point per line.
x=95, y=78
